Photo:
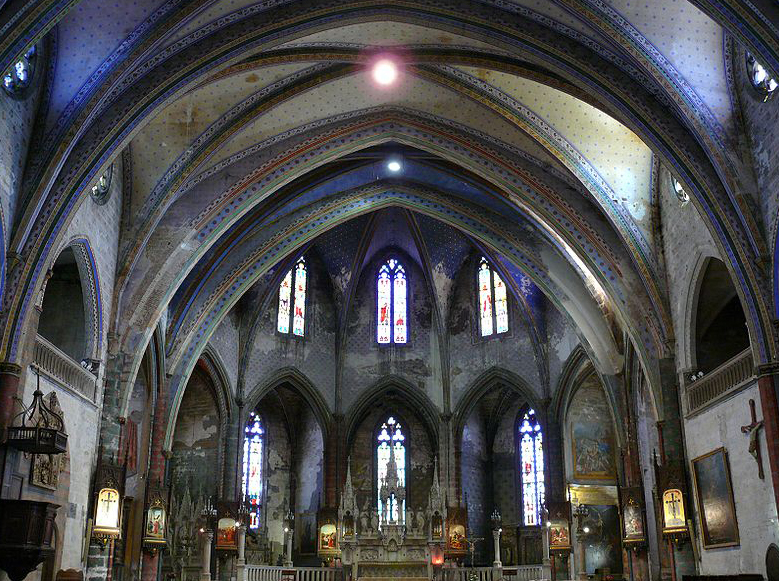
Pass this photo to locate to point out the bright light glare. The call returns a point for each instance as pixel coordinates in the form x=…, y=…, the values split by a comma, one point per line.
x=393, y=166
x=385, y=72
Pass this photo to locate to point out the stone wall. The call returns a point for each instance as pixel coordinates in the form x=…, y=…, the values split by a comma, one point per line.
x=472, y=355
x=720, y=426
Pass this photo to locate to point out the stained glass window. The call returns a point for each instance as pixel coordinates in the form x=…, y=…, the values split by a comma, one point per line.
x=18, y=77
x=493, y=301
x=253, y=444
x=760, y=78
x=531, y=452
x=292, y=304
x=391, y=434
x=391, y=303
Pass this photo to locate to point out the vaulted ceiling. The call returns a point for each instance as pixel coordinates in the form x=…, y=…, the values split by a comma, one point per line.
x=247, y=131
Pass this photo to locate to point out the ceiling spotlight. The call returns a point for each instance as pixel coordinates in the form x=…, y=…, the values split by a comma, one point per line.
x=385, y=72
x=393, y=166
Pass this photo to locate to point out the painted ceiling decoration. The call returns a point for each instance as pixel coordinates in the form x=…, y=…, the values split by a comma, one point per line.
x=249, y=133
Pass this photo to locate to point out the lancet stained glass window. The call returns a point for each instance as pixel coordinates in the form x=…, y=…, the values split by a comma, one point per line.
x=391, y=434
x=531, y=453
x=391, y=303
x=292, y=300
x=493, y=301
x=253, y=448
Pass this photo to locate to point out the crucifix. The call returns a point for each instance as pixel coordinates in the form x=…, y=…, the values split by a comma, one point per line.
x=754, y=442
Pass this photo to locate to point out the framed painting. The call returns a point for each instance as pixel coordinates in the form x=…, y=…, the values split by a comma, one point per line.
x=226, y=534
x=559, y=526
x=714, y=493
x=327, y=538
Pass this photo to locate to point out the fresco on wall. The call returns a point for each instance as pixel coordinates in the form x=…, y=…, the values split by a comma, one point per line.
x=592, y=433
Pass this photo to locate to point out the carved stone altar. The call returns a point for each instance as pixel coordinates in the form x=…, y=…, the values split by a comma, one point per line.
x=391, y=545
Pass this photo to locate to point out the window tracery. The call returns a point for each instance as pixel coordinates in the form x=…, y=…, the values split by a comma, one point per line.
x=102, y=186
x=759, y=77
x=493, y=301
x=391, y=434
x=292, y=300
x=19, y=77
x=681, y=193
x=253, y=451
x=531, y=452
x=391, y=303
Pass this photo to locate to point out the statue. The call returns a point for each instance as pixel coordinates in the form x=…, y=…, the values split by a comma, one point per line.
x=364, y=522
x=375, y=520
x=420, y=522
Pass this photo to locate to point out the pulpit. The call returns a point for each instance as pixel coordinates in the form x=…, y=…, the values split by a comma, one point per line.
x=26, y=531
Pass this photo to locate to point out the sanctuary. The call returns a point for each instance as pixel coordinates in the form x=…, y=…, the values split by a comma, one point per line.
x=420, y=290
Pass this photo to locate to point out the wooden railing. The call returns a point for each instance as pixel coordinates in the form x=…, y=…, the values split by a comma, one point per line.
x=510, y=573
x=60, y=367
x=268, y=573
x=725, y=379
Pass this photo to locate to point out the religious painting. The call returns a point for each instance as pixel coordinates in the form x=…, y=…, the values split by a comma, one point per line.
x=673, y=510
x=603, y=549
x=227, y=533
x=716, y=508
x=633, y=526
x=457, y=538
x=559, y=526
x=455, y=531
x=592, y=433
x=107, y=512
x=155, y=524
x=327, y=537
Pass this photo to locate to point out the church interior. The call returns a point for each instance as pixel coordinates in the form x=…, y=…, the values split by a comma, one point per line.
x=355, y=290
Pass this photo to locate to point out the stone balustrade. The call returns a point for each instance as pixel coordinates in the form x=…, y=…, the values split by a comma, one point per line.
x=63, y=369
x=270, y=573
x=726, y=379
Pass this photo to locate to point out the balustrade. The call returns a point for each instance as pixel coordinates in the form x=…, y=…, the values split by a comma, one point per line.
x=62, y=369
x=725, y=379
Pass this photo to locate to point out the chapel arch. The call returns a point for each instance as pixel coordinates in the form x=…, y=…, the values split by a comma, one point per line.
x=70, y=310
x=488, y=445
x=719, y=328
x=293, y=421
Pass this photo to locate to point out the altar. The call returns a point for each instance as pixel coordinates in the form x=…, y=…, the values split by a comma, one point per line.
x=395, y=543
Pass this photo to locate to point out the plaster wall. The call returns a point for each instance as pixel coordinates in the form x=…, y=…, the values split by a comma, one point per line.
x=686, y=244
x=720, y=426
x=227, y=344
x=99, y=224
x=476, y=468
x=365, y=362
x=314, y=355
x=73, y=493
x=471, y=355
x=16, y=126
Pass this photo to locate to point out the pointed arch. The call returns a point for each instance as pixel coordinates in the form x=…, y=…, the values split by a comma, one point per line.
x=389, y=387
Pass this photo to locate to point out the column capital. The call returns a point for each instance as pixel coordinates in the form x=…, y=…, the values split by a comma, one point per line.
x=9, y=368
x=767, y=369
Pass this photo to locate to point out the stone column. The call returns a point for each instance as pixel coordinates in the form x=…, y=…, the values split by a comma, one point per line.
x=240, y=564
x=205, y=565
x=768, y=383
x=496, y=548
x=288, y=556
x=157, y=459
x=9, y=385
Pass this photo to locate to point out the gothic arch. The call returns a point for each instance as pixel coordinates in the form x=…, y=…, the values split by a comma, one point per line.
x=89, y=281
x=481, y=385
x=414, y=400
x=299, y=382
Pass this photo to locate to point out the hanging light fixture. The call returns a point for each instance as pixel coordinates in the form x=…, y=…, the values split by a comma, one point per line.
x=41, y=430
